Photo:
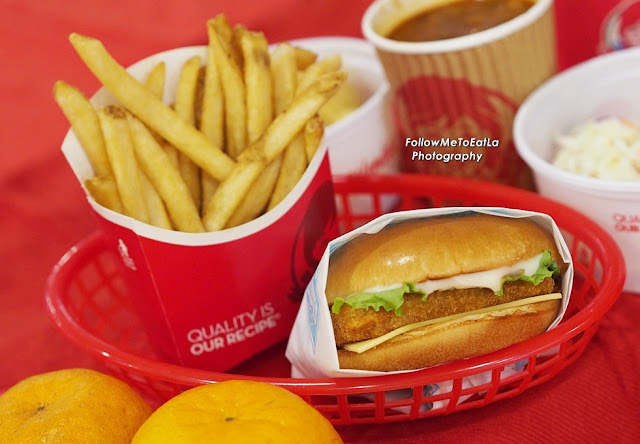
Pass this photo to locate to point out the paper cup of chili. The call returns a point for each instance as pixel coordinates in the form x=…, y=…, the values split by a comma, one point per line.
x=458, y=71
x=214, y=299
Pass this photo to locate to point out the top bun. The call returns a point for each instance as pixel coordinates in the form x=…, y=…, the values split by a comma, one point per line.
x=434, y=248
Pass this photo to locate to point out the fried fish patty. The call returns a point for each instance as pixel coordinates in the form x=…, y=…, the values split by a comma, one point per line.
x=353, y=325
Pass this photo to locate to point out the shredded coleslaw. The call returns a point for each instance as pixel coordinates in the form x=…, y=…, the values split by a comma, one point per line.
x=607, y=148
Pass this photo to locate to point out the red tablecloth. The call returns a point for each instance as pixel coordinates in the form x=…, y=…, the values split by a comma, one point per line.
x=43, y=212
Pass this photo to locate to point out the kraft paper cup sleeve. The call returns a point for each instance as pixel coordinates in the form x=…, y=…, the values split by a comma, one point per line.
x=464, y=89
x=312, y=348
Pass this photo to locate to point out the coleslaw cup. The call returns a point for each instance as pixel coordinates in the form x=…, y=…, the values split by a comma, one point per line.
x=599, y=87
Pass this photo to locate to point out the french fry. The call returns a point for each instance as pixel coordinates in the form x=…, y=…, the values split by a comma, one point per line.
x=287, y=124
x=313, y=132
x=166, y=178
x=229, y=37
x=172, y=152
x=155, y=84
x=151, y=110
x=344, y=102
x=294, y=163
x=186, y=90
x=284, y=75
x=257, y=79
x=304, y=57
x=257, y=198
x=209, y=185
x=197, y=102
x=185, y=108
x=113, y=121
x=283, y=72
x=103, y=189
x=157, y=212
x=212, y=110
x=233, y=90
x=235, y=49
x=233, y=190
x=223, y=28
x=252, y=161
x=211, y=115
x=326, y=65
x=155, y=80
x=85, y=124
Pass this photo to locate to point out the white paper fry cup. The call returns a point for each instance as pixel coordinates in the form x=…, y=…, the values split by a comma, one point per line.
x=312, y=348
x=361, y=142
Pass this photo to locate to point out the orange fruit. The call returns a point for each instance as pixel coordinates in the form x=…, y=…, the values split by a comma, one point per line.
x=236, y=411
x=71, y=406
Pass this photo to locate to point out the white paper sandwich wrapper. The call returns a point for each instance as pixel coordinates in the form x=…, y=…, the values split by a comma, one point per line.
x=312, y=349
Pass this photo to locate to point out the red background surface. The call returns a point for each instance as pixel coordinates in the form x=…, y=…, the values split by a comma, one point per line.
x=43, y=213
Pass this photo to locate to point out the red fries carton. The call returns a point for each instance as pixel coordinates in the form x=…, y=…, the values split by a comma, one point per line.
x=212, y=300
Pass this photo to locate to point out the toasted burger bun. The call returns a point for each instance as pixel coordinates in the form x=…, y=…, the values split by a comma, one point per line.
x=431, y=249
x=457, y=339
x=434, y=248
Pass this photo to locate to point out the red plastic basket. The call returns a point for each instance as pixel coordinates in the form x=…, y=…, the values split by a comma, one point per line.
x=88, y=301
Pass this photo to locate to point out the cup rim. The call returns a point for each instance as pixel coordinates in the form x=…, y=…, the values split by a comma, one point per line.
x=545, y=167
x=454, y=44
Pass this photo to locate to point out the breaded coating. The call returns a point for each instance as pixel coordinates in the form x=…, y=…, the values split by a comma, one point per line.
x=353, y=325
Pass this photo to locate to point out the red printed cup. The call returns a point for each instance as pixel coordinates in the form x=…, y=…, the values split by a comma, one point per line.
x=213, y=300
x=602, y=26
x=453, y=101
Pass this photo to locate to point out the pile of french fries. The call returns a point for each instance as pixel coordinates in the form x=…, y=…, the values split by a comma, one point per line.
x=238, y=136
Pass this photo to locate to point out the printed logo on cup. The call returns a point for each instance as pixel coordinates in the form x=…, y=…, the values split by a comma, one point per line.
x=451, y=126
x=127, y=260
x=627, y=222
x=620, y=28
x=310, y=241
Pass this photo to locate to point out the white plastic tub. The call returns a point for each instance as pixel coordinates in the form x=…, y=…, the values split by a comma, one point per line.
x=608, y=85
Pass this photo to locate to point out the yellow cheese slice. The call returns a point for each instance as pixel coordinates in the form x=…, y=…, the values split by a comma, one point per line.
x=365, y=345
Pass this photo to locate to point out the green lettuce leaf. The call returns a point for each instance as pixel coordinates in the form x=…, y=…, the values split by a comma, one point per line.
x=388, y=299
x=394, y=298
x=547, y=268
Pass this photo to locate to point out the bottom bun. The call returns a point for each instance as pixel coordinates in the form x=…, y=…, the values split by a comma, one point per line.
x=453, y=340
